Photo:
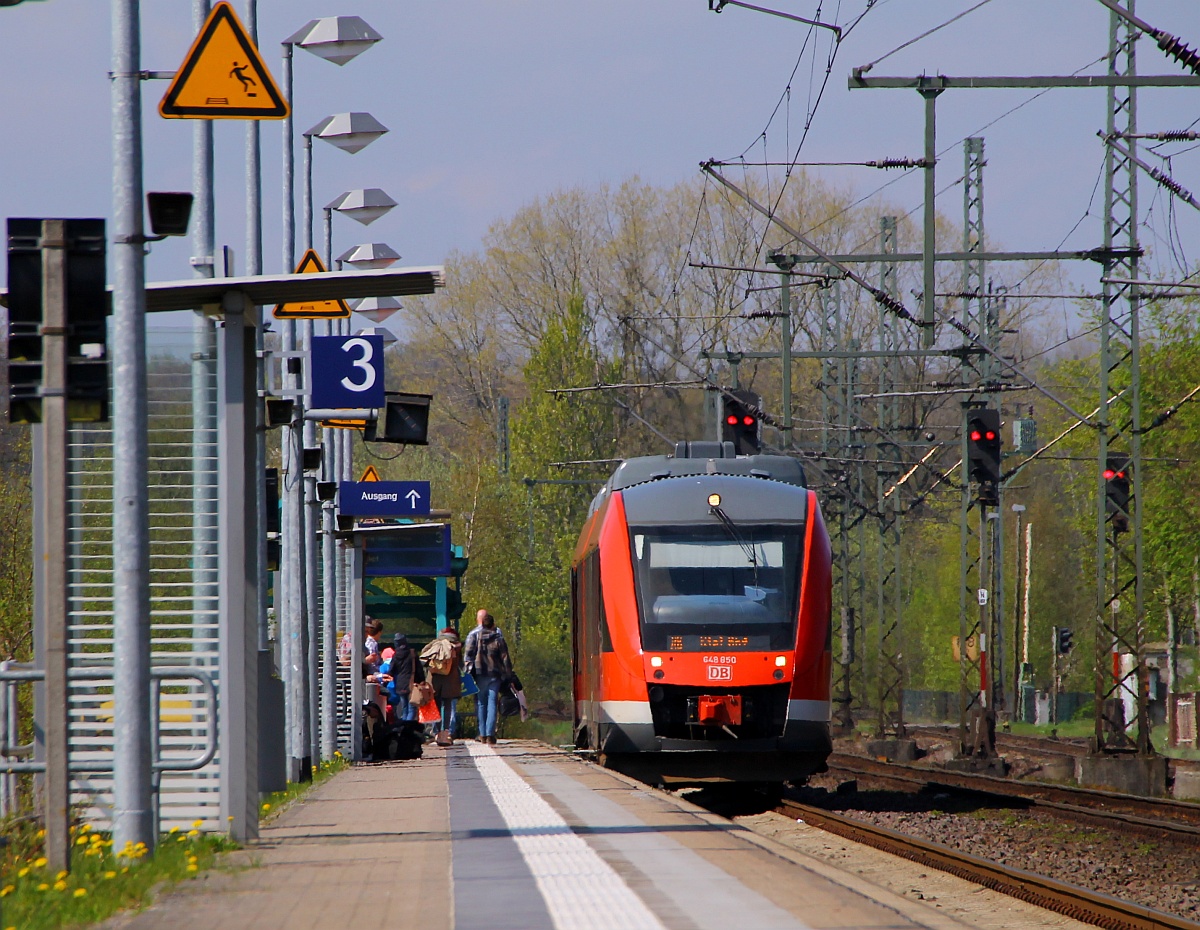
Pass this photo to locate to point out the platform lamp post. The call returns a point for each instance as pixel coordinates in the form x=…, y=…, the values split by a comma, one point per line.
x=350, y=132
x=338, y=39
x=365, y=206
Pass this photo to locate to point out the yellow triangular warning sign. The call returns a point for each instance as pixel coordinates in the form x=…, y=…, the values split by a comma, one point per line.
x=312, y=309
x=370, y=474
x=223, y=76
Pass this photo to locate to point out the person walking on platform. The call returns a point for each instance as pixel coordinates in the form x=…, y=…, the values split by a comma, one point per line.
x=488, y=660
x=443, y=657
x=404, y=670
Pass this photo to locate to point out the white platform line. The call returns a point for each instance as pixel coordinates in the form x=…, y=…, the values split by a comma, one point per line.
x=581, y=890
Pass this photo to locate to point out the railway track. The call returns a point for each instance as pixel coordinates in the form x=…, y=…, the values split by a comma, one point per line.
x=1160, y=818
x=1071, y=900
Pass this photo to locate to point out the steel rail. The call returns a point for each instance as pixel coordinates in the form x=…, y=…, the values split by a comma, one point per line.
x=1048, y=893
x=1094, y=804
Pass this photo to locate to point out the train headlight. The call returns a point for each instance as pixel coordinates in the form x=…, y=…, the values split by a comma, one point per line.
x=656, y=661
x=780, y=661
x=714, y=500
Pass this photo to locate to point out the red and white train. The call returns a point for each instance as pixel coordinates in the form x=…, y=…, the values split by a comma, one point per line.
x=701, y=594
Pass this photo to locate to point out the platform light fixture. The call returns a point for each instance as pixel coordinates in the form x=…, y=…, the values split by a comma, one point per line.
x=370, y=255
x=364, y=205
x=376, y=309
x=336, y=38
x=350, y=132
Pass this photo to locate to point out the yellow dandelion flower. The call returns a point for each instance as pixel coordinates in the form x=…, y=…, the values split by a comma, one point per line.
x=60, y=876
x=266, y=807
x=80, y=892
x=60, y=885
x=23, y=872
x=174, y=830
x=96, y=838
x=41, y=834
x=192, y=867
x=40, y=862
x=124, y=869
x=6, y=891
x=81, y=840
x=43, y=887
x=193, y=833
x=197, y=824
x=182, y=839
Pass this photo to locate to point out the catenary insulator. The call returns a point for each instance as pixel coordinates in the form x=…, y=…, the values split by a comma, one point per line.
x=1178, y=49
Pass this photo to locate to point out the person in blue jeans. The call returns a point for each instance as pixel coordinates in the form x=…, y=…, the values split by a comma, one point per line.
x=488, y=659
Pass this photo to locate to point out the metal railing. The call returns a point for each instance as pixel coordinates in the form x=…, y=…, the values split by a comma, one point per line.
x=15, y=756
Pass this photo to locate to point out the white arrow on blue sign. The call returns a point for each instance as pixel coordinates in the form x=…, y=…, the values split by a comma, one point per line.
x=347, y=372
x=383, y=498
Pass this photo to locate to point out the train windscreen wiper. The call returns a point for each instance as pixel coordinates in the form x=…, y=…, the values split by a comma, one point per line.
x=731, y=528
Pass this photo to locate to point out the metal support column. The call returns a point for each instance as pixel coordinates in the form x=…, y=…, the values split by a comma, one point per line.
x=238, y=636
x=888, y=578
x=133, y=818
x=51, y=593
x=929, y=239
x=1120, y=602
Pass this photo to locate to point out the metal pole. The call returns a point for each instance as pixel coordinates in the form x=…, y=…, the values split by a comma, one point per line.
x=254, y=265
x=930, y=237
x=785, y=306
x=133, y=820
x=204, y=361
x=306, y=202
x=328, y=722
x=328, y=256
x=54, y=539
x=312, y=507
x=290, y=612
x=1016, y=670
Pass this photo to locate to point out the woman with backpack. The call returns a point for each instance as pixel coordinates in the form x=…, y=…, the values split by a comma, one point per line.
x=489, y=662
x=442, y=657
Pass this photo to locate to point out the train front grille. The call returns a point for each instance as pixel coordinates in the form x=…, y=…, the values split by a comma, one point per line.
x=763, y=711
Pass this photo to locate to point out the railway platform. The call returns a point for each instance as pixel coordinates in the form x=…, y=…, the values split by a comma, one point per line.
x=518, y=836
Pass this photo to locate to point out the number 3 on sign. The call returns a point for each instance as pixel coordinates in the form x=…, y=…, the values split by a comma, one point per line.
x=362, y=364
x=347, y=372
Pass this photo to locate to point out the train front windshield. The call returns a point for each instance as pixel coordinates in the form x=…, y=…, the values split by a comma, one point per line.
x=702, y=588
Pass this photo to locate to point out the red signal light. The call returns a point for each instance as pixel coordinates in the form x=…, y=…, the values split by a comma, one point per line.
x=1109, y=474
x=989, y=435
x=747, y=421
x=976, y=435
x=732, y=419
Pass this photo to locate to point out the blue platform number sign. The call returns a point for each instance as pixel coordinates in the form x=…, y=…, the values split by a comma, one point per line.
x=347, y=372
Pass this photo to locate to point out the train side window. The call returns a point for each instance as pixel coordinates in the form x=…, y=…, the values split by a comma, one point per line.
x=596, y=602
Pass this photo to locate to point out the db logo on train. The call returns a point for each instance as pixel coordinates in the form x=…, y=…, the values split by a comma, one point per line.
x=720, y=673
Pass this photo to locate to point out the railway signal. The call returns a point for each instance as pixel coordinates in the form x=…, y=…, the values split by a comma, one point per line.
x=1062, y=640
x=1116, y=489
x=739, y=421
x=983, y=452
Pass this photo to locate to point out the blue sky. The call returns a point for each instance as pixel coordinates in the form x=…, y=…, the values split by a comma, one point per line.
x=493, y=102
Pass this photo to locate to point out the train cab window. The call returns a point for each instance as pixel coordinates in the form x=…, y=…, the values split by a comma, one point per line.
x=699, y=585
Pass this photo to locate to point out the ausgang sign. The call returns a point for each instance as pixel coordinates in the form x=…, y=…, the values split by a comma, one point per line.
x=383, y=498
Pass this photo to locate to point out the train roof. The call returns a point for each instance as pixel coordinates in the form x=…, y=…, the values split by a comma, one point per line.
x=703, y=458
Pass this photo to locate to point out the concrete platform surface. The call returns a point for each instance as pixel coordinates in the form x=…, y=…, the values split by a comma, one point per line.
x=518, y=837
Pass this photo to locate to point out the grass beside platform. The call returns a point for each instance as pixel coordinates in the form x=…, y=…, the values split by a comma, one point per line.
x=277, y=801
x=102, y=882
